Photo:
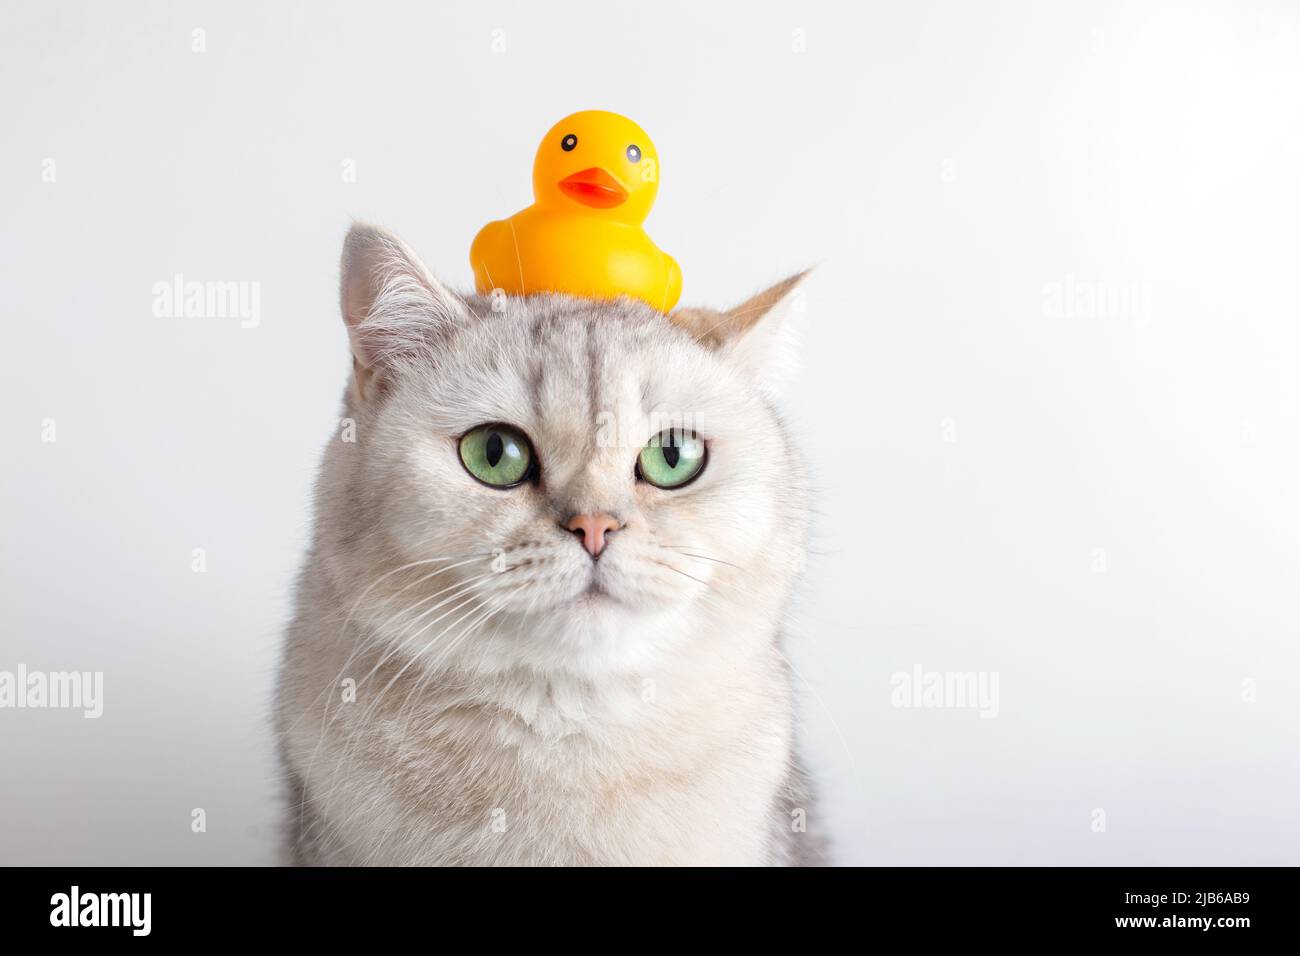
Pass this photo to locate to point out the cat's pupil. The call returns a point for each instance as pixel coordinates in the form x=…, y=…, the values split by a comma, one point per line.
x=494, y=449
x=672, y=454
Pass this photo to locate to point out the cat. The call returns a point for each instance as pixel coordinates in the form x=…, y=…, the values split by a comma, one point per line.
x=540, y=619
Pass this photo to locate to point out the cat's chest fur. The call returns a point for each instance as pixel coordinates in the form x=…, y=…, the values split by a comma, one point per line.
x=684, y=767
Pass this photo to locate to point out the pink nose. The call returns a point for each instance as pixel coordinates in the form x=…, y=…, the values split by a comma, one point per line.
x=593, y=529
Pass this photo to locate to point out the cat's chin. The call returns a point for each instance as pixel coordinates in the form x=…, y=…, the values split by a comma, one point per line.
x=613, y=592
x=592, y=589
x=591, y=598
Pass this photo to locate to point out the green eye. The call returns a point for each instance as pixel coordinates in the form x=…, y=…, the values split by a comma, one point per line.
x=497, y=455
x=672, y=458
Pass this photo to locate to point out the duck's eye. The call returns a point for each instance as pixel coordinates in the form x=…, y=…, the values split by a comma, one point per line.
x=568, y=143
x=497, y=455
x=672, y=459
x=634, y=153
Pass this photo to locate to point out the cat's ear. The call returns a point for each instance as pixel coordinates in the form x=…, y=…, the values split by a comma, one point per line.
x=392, y=305
x=758, y=335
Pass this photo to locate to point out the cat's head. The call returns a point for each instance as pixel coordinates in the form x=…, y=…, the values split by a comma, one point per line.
x=594, y=475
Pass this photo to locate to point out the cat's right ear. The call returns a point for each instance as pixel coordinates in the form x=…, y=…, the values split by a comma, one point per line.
x=756, y=335
x=392, y=305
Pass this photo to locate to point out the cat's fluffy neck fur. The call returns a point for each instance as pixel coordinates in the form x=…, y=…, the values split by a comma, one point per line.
x=683, y=763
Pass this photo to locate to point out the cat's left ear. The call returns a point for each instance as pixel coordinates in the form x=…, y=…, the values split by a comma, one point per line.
x=758, y=335
x=392, y=304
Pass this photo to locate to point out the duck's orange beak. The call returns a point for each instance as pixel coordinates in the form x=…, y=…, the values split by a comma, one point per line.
x=594, y=187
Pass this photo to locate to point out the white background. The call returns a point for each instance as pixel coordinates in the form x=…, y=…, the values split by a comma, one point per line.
x=1113, y=530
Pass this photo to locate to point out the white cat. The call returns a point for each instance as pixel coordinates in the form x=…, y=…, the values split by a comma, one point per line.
x=541, y=616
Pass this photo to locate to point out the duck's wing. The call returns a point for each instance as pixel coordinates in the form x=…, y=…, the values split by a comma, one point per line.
x=486, y=257
x=672, y=283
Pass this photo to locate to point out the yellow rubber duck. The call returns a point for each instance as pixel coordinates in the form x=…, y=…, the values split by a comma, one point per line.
x=594, y=180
